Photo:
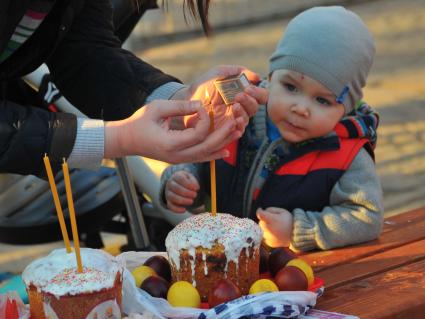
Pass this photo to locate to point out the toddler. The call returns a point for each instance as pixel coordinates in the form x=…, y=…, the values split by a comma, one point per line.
x=305, y=164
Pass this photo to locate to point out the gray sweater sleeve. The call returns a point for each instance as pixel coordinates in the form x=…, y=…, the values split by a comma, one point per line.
x=195, y=170
x=355, y=213
x=89, y=144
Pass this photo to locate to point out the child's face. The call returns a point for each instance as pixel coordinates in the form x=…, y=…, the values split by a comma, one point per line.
x=301, y=107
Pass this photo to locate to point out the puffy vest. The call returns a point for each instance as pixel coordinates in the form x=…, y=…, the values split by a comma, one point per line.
x=305, y=181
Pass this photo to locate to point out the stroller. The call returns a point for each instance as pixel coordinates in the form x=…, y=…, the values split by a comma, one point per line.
x=27, y=212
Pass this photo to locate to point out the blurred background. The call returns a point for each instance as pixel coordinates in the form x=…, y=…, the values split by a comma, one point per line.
x=245, y=32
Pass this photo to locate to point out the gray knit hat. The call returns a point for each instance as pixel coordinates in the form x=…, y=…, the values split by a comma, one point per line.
x=331, y=45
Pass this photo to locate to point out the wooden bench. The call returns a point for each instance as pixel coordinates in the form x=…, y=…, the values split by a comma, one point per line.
x=380, y=279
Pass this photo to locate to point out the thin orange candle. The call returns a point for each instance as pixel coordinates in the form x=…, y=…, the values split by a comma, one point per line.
x=72, y=214
x=57, y=202
x=212, y=171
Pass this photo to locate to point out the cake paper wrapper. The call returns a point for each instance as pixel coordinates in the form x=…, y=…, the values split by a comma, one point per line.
x=282, y=304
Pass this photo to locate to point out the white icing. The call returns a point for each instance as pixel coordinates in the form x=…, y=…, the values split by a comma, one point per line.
x=192, y=264
x=204, y=258
x=204, y=230
x=57, y=273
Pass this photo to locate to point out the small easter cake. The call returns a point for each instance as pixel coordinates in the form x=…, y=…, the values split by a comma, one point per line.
x=57, y=290
x=205, y=248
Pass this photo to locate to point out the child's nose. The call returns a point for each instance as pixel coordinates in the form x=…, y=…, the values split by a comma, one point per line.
x=301, y=109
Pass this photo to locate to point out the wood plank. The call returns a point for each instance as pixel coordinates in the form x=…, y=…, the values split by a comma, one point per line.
x=398, y=293
x=398, y=230
x=413, y=215
x=379, y=263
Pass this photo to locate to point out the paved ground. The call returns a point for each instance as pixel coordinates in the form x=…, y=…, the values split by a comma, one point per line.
x=163, y=24
x=396, y=87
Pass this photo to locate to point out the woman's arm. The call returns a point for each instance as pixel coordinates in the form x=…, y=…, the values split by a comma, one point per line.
x=27, y=133
x=95, y=74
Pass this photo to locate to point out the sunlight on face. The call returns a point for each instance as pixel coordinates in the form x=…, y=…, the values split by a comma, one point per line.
x=301, y=107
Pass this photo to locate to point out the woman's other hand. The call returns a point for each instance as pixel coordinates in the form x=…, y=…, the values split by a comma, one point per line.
x=246, y=103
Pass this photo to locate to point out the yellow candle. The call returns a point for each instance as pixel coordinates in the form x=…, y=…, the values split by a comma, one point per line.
x=57, y=202
x=212, y=172
x=72, y=214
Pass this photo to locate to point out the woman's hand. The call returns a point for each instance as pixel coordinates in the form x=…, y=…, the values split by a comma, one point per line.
x=148, y=133
x=180, y=191
x=277, y=224
x=246, y=103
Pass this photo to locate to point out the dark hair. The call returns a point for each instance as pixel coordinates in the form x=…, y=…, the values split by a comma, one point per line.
x=198, y=11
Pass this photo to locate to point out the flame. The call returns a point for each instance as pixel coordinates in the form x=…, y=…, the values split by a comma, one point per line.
x=207, y=97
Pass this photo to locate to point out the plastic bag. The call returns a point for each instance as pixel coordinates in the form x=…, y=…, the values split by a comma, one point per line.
x=282, y=304
x=12, y=307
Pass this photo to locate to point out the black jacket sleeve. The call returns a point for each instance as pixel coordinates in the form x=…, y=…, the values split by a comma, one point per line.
x=27, y=133
x=94, y=73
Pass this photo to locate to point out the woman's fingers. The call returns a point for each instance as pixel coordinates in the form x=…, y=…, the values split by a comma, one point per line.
x=251, y=98
x=241, y=117
x=180, y=139
x=212, y=147
x=229, y=70
x=259, y=94
x=252, y=76
x=147, y=133
x=246, y=109
x=170, y=108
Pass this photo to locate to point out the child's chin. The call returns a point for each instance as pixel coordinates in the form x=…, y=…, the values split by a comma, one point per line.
x=291, y=138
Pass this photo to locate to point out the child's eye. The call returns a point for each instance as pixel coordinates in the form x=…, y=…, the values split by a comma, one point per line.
x=322, y=100
x=290, y=87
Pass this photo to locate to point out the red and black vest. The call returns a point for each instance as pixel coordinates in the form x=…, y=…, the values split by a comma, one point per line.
x=303, y=178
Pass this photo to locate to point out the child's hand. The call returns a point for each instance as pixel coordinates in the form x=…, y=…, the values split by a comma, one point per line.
x=276, y=224
x=180, y=191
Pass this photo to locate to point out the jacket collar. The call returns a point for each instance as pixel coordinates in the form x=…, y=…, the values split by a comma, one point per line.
x=288, y=152
x=362, y=123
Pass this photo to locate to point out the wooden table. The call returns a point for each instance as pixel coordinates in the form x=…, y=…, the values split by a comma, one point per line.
x=381, y=279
